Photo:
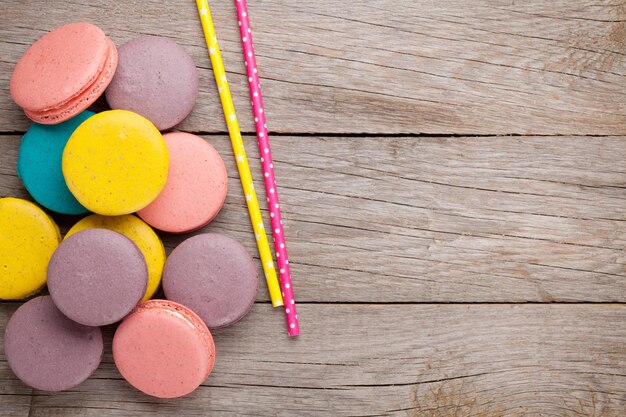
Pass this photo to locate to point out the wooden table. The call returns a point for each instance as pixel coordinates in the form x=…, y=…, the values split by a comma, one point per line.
x=453, y=178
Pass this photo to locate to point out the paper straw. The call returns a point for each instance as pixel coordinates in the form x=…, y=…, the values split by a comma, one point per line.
x=268, y=167
x=240, y=152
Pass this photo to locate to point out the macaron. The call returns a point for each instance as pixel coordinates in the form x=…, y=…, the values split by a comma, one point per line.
x=97, y=276
x=163, y=349
x=28, y=238
x=214, y=276
x=115, y=163
x=63, y=72
x=156, y=78
x=39, y=164
x=196, y=186
x=48, y=351
x=140, y=233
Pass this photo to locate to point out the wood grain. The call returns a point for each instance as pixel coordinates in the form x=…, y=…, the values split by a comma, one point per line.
x=436, y=220
x=15, y=397
x=453, y=183
x=453, y=67
x=392, y=360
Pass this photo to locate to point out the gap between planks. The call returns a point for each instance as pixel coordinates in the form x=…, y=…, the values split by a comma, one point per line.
x=436, y=220
x=368, y=135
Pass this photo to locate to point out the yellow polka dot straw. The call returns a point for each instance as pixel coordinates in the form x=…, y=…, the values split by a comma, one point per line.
x=240, y=153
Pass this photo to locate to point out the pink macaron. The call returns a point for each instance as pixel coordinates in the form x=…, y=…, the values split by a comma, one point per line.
x=63, y=72
x=196, y=187
x=164, y=349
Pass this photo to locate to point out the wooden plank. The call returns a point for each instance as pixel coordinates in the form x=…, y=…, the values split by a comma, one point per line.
x=479, y=219
x=407, y=66
x=391, y=360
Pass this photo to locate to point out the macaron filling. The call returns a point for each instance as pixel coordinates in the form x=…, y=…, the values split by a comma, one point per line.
x=193, y=320
x=163, y=349
x=83, y=98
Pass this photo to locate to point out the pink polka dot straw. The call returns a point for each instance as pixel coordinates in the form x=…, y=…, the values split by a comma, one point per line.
x=268, y=168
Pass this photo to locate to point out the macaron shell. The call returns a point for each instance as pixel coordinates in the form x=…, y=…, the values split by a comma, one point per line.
x=59, y=66
x=115, y=163
x=84, y=99
x=163, y=349
x=39, y=164
x=97, y=276
x=140, y=233
x=28, y=238
x=214, y=276
x=156, y=78
x=48, y=351
x=196, y=186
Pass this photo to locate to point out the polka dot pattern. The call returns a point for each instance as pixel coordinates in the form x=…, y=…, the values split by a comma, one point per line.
x=268, y=167
x=240, y=153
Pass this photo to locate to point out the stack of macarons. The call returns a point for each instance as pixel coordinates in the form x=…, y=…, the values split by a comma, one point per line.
x=128, y=178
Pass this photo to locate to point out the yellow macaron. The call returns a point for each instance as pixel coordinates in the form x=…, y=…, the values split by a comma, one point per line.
x=115, y=163
x=28, y=237
x=139, y=232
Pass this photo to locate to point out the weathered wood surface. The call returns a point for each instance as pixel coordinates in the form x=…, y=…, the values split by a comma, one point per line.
x=393, y=360
x=437, y=220
x=399, y=220
x=479, y=67
x=432, y=272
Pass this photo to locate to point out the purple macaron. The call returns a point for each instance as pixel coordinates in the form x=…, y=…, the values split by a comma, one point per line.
x=214, y=276
x=155, y=78
x=97, y=276
x=48, y=351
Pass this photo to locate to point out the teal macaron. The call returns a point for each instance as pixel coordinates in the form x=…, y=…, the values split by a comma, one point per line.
x=39, y=164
